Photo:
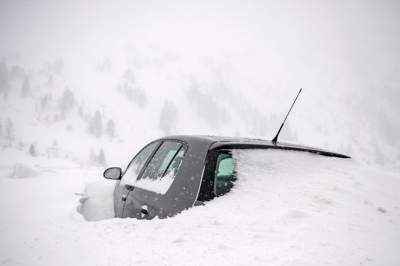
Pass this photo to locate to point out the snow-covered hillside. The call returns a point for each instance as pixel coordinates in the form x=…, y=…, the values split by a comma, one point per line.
x=74, y=81
x=103, y=113
x=287, y=208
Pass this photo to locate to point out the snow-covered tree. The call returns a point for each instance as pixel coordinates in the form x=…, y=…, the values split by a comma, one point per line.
x=92, y=157
x=21, y=145
x=57, y=66
x=110, y=128
x=17, y=73
x=44, y=101
x=206, y=106
x=129, y=75
x=26, y=87
x=32, y=150
x=96, y=125
x=9, y=132
x=1, y=129
x=134, y=94
x=67, y=102
x=50, y=82
x=52, y=151
x=168, y=117
x=82, y=113
x=104, y=66
x=4, y=81
x=101, y=158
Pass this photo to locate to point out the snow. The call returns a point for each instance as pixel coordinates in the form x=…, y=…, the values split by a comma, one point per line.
x=89, y=85
x=22, y=171
x=287, y=208
x=159, y=185
x=97, y=203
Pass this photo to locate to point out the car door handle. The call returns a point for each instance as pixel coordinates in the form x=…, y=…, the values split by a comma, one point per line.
x=144, y=210
x=129, y=187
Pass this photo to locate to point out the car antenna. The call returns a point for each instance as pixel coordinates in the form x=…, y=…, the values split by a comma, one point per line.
x=275, y=140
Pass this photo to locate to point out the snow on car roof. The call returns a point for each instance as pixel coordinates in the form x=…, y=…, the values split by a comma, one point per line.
x=250, y=143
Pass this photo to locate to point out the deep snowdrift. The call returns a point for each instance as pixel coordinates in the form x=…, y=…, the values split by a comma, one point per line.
x=287, y=208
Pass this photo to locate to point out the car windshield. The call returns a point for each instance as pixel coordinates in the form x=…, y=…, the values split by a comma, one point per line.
x=136, y=165
x=161, y=160
x=162, y=168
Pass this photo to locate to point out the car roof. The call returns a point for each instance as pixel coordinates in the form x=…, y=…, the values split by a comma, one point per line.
x=222, y=142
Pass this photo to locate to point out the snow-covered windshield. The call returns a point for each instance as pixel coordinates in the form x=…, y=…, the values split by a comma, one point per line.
x=133, y=170
x=162, y=168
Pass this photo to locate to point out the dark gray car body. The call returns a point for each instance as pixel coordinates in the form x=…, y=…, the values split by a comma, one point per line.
x=193, y=181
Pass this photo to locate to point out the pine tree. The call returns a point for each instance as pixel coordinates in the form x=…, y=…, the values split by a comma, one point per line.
x=101, y=159
x=67, y=102
x=57, y=66
x=92, y=157
x=129, y=75
x=110, y=128
x=52, y=151
x=96, y=125
x=21, y=145
x=32, y=150
x=50, y=82
x=17, y=72
x=80, y=111
x=26, y=87
x=55, y=148
x=10, y=132
x=168, y=117
x=4, y=78
x=44, y=101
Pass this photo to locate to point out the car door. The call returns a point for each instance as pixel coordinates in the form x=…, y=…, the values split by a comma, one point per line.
x=135, y=167
x=152, y=185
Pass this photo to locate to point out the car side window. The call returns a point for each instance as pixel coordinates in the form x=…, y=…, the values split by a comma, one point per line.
x=136, y=165
x=162, y=168
x=225, y=174
x=176, y=162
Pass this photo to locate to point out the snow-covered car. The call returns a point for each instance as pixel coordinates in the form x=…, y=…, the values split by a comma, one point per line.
x=175, y=173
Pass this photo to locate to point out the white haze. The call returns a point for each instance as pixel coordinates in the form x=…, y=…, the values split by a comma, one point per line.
x=85, y=84
x=229, y=67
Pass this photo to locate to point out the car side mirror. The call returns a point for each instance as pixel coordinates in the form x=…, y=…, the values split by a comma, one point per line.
x=113, y=173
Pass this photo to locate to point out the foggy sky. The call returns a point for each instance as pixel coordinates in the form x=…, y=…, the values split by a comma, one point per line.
x=343, y=51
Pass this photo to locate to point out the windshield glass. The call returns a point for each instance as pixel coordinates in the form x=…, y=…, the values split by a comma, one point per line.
x=162, y=168
x=136, y=165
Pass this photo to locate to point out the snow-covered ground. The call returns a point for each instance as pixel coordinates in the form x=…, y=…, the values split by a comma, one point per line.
x=287, y=208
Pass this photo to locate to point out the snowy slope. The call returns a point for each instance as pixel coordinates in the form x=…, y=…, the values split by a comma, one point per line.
x=75, y=111
x=287, y=208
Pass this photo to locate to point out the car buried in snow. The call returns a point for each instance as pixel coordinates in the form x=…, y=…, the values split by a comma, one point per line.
x=175, y=173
